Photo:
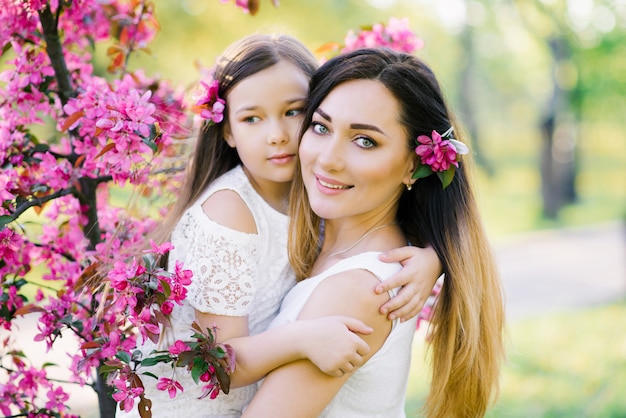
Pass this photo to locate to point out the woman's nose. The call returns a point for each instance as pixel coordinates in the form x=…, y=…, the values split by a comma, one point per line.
x=331, y=155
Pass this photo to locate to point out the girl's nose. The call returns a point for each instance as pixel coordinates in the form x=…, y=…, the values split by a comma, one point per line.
x=278, y=134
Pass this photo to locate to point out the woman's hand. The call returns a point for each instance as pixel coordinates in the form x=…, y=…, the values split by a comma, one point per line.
x=420, y=271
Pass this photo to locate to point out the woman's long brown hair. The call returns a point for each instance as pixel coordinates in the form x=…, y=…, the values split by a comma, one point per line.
x=468, y=323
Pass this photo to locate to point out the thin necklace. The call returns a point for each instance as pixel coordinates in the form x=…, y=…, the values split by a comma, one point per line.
x=360, y=239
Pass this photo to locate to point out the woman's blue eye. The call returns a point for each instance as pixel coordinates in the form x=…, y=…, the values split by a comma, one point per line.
x=293, y=112
x=365, y=142
x=318, y=128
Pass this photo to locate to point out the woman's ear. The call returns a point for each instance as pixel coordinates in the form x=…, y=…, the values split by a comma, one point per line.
x=411, y=167
x=228, y=136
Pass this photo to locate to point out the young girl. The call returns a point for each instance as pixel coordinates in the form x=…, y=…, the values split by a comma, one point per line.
x=381, y=163
x=230, y=228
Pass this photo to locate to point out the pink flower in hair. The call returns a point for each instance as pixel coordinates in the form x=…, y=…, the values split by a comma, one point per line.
x=436, y=152
x=210, y=106
x=439, y=155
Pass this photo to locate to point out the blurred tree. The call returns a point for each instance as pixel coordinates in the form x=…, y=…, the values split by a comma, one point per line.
x=569, y=30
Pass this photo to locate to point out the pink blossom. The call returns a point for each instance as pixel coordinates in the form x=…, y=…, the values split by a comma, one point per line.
x=436, y=153
x=162, y=249
x=57, y=399
x=181, y=276
x=211, y=390
x=395, y=35
x=5, y=185
x=178, y=347
x=145, y=323
x=170, y=385
x=210, y=106
x=10, y=244
x=126, y=395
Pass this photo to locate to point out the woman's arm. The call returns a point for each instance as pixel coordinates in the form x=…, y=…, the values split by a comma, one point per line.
x=348, y=293
x=421, y=269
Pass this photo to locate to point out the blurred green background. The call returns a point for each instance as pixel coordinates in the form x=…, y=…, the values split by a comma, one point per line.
x=508, y=68
x=539, y=86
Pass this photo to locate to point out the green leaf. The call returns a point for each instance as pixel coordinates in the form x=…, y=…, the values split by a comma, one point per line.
x=151, y=375
x=5, y=220
x=107, y=369
x=167, y=290
x=151, y=361
x=41, y=147
x=447, y=176
x=198, y=369
x=422, y=171
x=123, y=356
x=222, y=378
x=185, y=358
x=149, y=142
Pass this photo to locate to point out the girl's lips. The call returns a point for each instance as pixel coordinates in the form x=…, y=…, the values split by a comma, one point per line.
x=281, y=158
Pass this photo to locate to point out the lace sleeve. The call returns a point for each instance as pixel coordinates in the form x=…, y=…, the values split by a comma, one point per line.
x=223, y=268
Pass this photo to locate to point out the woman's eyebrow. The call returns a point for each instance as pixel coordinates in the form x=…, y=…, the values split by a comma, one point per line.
x=363, y=126
x=323, y=114
x=367, y=127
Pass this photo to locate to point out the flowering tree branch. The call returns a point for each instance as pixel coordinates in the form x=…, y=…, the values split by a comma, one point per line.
x=54, y=50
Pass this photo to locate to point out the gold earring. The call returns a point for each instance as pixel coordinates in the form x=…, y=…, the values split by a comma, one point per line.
x=409, y=186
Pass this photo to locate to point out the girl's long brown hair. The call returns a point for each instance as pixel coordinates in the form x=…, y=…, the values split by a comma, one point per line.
x=213, y=156
x=468, y=323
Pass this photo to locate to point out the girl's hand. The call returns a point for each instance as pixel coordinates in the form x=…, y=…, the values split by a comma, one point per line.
x=420, y=271
x=332, y=343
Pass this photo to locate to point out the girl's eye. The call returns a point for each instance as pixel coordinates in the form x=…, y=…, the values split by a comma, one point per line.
x=365, y=142
x=293, y=112
x=319, y=129
x=251, y=119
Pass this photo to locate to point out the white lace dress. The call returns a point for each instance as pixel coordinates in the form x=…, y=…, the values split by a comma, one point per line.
x=235, y=274
x=378, y=388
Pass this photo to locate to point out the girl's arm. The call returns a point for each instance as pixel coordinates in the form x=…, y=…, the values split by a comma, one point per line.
x=257, y=355
x=421, y=269
x=283, y=390
x=284, y=344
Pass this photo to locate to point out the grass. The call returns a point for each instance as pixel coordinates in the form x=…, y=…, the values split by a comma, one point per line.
x=559, y=366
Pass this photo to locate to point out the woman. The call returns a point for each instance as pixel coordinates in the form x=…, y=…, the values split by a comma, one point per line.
x=381, y=166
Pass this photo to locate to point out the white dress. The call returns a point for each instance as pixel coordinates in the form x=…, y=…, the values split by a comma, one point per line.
x=378, y=388
x=234, y=274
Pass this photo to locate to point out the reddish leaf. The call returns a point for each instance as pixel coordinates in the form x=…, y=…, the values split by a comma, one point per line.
x=79, y=160
x=89, y=344
x=114, y=49
x=71, y=119
x=145, y=407
x=108, y=147
x=26, y=309
x=39, y=209
x=328, y=47
x=87, y=275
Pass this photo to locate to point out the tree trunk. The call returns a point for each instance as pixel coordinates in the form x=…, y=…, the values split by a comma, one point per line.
x=87, y=193
x=559, y=132
x=466, y=106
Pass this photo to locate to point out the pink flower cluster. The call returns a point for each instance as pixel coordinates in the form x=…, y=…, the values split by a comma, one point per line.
x=121, y=130
x=395, y=35
x=439, y=155
x=210, y=106
x=436, y=152
x=23, y=388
